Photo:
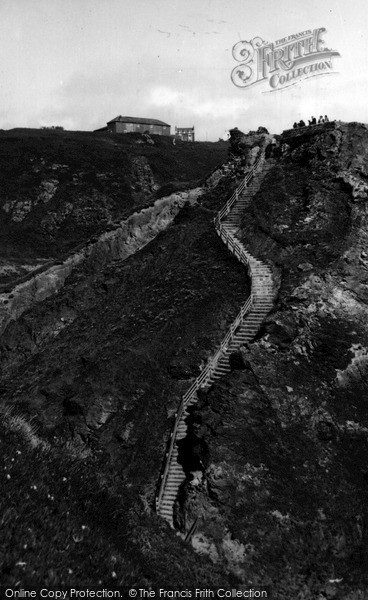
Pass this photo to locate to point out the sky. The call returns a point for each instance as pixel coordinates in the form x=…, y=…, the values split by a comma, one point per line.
x=80, y=63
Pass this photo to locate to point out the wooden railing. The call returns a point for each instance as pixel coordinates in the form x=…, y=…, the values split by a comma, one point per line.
x=234, y=246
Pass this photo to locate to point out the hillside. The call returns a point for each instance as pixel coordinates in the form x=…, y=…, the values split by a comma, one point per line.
x=284, y=438
x=60, y=188
x=99, y=369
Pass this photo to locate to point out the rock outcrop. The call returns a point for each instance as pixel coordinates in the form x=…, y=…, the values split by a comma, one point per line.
x=278, y=485
x=131, y=235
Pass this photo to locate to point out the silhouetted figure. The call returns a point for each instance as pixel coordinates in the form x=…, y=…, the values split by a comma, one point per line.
x=309, y=122
x=320, y=120
x=301, y=123
x=295, y=125
x=326, y=119
x=314, y=121
x=270, y=148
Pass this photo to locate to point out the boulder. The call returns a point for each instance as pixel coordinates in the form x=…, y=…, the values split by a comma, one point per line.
x=282, y=329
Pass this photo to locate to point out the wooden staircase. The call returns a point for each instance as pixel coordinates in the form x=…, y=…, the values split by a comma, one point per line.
x=242, y=330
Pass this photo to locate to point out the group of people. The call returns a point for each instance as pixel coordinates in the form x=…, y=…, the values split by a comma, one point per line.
x=311, y=121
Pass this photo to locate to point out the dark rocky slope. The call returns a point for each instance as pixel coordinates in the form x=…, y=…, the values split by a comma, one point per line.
x=99, y=369
x=282, y=496
x=61, y=188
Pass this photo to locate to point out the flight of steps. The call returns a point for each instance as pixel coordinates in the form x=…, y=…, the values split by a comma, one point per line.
x=246, y=196
x=176, y=475
x=246, y=329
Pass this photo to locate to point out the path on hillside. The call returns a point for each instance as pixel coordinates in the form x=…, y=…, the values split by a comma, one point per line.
x=242, y=330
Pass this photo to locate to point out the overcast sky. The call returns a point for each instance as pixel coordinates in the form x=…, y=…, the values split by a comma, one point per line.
x=79, y=63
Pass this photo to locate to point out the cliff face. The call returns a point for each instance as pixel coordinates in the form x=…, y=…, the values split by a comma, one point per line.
x=284, y=440
x=276, y=452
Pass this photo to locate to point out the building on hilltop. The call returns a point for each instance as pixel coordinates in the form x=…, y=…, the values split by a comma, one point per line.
x=136, y=124
x=186, y=134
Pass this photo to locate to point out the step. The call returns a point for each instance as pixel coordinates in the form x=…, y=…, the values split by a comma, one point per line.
x=260, y=298
x=167, y=514
x=166, y=502
x=221, y=367
x=244, y=336
x=260, y=271
x=220, y=374
x=223, y=361
x=263, y=305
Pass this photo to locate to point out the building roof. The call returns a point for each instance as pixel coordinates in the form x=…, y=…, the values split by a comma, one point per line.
x=142, y=120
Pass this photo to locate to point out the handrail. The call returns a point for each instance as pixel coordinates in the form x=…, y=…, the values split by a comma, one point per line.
x=233, y=244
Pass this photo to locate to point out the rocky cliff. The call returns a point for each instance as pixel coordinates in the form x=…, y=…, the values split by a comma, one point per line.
x=280, y=497
x=276, y=453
